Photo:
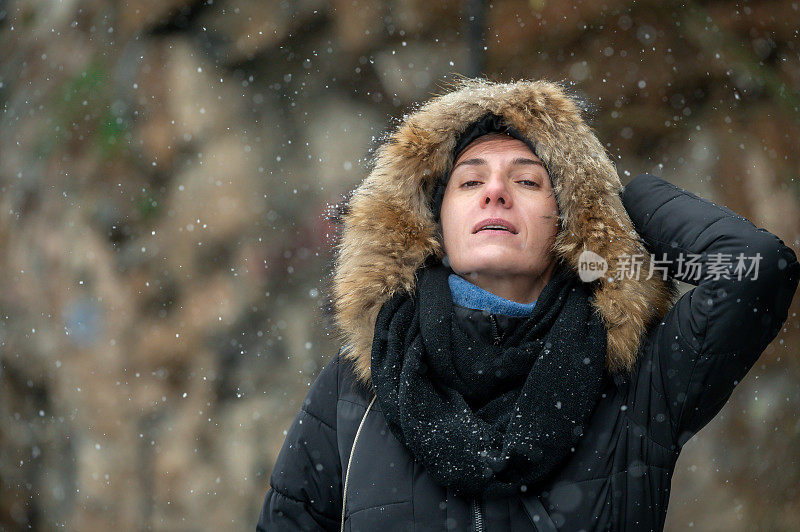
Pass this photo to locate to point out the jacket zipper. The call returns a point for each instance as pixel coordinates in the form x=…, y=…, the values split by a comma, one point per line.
x=476, y=513
x=476, y=507
x=498, y=338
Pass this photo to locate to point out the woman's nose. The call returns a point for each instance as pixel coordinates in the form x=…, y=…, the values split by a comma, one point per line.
x=496, y=192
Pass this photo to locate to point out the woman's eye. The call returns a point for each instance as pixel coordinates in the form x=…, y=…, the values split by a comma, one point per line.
x=528, y=182
x=470, y=183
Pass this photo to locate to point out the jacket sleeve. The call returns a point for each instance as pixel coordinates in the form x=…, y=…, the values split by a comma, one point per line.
x=305, y=490
x=715, y=332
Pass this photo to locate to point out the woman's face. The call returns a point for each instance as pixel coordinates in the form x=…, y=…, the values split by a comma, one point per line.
x=499, y=212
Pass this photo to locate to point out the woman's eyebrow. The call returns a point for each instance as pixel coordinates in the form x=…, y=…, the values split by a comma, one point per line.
x=525, y=160
x=471, y=162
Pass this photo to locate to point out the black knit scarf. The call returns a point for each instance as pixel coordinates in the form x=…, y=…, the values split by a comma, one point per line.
x=488, y=420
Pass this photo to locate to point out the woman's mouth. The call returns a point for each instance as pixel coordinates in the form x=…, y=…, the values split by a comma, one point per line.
x=494, y=225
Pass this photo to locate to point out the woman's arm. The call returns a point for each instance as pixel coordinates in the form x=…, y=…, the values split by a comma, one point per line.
x=715, y=333
x=305, y=486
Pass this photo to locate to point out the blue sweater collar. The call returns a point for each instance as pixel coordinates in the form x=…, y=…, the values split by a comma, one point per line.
x=469, y=295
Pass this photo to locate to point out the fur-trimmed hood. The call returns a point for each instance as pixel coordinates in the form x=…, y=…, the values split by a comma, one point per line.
x=389, y=229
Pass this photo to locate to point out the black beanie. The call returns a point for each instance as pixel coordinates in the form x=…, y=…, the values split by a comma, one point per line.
x=490, y=123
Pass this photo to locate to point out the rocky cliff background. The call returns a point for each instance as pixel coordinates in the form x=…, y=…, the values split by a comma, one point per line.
x=166, y=173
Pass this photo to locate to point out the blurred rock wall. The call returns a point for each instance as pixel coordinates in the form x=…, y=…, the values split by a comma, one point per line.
x=166, y=170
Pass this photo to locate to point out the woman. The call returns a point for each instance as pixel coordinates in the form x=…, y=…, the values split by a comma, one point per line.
x=483, y=384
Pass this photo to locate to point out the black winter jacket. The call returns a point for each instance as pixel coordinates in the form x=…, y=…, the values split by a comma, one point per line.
x=618, y=477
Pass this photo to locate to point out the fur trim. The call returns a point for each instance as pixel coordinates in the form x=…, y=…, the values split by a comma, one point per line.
x=388, y=229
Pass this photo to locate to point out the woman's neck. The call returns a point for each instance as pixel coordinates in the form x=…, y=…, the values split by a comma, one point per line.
x=517, y=288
